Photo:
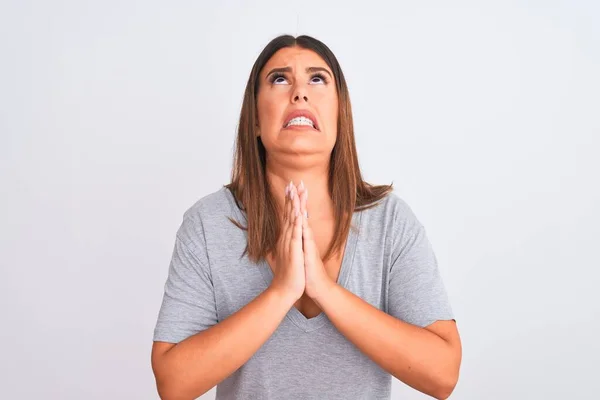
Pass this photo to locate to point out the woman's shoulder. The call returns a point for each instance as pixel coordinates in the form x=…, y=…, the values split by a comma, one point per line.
x=392, y=209
x=211, y=204
x=391, y=221
x=209, y=213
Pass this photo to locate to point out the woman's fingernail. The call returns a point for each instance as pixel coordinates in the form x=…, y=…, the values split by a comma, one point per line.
x=301, y=185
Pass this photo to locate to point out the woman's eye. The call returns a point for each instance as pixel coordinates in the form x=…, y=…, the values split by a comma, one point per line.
x=320, y=78
x=277, y=79
x=281, y=79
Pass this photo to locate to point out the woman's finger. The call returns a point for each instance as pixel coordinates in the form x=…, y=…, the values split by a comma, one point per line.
x=301, y=188
x=287, y=231
x=296, y=201
x=301, y=192
x=303, y=202
x=307, y=233
x=292, y=209
x=297, y=229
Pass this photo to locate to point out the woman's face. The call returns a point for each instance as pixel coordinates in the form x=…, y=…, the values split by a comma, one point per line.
x=297, y=79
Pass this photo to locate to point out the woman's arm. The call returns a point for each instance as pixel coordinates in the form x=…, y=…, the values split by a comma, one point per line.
x=200, y=361
x=192, y=367
x=427, y=359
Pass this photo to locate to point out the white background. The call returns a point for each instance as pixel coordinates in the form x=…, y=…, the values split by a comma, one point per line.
x=116, y=116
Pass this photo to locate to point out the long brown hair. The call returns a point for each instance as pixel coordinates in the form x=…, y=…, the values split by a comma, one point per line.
x=249, y=184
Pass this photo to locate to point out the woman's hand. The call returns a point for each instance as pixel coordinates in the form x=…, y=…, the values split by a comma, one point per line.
x=288, y=271
x=316, y=277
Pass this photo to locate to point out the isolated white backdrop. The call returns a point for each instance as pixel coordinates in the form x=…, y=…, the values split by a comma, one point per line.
x=116, y=116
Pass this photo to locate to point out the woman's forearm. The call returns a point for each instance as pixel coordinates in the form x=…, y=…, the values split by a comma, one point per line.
x=198, y=363
x=414, y=355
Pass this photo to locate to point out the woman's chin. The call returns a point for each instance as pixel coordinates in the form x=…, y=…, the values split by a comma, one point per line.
x=303, y=144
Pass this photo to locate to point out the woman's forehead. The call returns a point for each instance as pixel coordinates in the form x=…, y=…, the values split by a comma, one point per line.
x=294, y=57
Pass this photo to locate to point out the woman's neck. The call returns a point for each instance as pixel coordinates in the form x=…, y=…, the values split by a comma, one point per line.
x=319, y=204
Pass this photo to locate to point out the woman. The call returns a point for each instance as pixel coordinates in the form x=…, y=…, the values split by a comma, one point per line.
x=298, y=280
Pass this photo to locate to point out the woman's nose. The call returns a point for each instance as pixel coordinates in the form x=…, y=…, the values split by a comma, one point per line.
x=300, y=93
x=297, y=98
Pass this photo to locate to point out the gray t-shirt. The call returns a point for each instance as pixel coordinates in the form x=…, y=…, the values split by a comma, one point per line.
x=388, y=261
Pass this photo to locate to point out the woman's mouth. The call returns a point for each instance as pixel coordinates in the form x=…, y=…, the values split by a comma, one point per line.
x=300, y=123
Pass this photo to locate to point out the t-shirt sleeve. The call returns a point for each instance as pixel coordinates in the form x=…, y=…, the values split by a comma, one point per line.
x=417, y=294
x=188, y=304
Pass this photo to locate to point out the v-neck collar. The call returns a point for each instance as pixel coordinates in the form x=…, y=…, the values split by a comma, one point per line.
x=294, y=315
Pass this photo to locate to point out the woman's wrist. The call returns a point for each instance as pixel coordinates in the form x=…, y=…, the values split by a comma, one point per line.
x=283, y=295
x=321, y=290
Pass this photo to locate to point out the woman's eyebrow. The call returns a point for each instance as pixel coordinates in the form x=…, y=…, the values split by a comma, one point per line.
x=308, y=70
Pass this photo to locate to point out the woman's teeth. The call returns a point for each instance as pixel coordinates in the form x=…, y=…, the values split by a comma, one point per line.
x=300, y=121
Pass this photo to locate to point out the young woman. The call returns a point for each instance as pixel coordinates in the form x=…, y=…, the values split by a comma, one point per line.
x=299, y=280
